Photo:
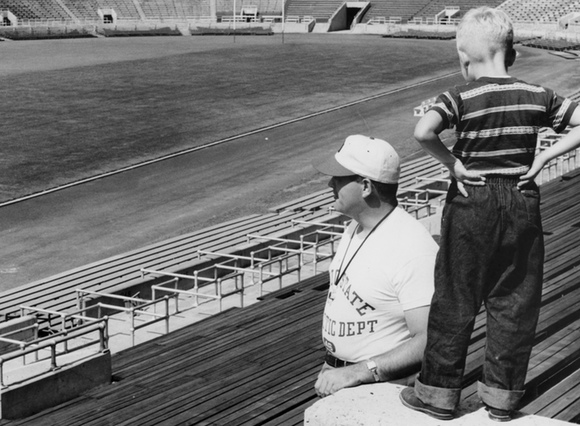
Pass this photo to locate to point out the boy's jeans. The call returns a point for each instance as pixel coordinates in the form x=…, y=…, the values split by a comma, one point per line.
x=491, y=251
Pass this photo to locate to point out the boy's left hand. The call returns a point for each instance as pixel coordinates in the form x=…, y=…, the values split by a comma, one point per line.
x=528, y=177
x=537, y=166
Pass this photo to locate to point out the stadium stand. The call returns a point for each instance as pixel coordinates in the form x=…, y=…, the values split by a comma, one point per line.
x=36, y=10
x=160, y=9
x=405, y=10
x=421, y=11
x=538, y=10
x=264, y=7
x=86, y=9
x=271, y=349
x=319, y=10
x=125, y=9
x=435, y=7
x=257, y=365
x=121, y=274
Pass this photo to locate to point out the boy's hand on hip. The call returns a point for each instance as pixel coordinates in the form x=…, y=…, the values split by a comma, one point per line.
x=465, y=177
x=536, y=168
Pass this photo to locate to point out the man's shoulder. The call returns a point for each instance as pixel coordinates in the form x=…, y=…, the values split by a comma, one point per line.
x=409, y=232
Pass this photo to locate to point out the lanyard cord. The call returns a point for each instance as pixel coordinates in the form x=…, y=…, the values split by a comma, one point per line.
x=342, y=271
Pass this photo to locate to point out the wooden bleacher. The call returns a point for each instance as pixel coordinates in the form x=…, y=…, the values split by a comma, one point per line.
x=244, y=366
x=258, y=365
x=119, y=274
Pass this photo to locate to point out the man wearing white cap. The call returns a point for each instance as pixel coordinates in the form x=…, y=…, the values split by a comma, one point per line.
x=381, y=278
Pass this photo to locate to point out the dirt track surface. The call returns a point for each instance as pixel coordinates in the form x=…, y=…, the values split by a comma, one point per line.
x=82, y=224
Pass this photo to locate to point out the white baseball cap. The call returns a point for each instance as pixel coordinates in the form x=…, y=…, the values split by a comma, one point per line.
x=365, y=156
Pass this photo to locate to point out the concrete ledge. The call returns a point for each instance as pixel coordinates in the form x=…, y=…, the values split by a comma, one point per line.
x=379, y=405
x=55, y=387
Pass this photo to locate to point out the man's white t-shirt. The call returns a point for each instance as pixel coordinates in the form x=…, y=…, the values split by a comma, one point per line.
x=390, y=273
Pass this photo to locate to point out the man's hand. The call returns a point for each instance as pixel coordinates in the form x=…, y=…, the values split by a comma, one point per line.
x=331, y=380
x=465, y=177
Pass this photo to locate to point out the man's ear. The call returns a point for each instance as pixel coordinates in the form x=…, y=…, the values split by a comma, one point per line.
x=367, y=187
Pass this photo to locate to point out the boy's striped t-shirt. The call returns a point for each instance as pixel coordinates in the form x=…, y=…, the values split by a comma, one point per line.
x=497, y=121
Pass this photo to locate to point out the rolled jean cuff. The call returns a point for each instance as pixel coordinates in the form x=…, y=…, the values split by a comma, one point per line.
x=499, y=398
x=447, y=399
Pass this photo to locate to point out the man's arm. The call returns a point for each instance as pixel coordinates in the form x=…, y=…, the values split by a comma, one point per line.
x=568, y=142
x=427, y=134
x=398, y=363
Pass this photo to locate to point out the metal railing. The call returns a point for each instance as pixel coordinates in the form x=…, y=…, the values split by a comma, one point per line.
x=262, y=265
x=52, y=344
x=65, y=320
x=308, y=247
x=200, y=280
x=134, y=306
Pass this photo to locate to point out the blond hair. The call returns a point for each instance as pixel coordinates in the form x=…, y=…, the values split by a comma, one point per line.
x=485, y=31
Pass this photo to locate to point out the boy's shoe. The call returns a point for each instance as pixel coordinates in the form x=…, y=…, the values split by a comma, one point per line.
x=499, y=415
x=410, y=400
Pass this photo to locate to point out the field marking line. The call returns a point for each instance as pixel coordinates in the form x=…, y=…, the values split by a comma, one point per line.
x=222, y=141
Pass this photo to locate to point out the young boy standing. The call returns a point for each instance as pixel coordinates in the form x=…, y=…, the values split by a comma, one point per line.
x=491, y=247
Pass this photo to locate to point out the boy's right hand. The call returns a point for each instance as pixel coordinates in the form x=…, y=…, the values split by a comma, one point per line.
x=465, y=177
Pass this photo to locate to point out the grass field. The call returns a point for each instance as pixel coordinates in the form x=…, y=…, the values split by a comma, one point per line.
x=77, y=108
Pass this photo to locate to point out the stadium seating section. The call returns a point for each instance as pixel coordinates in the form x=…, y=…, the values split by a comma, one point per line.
x=539, y=10
x=87, y=9
x=320, y=10
x=265, y=7
x=125, y=9
x=417, y=11
x=35, y=9
x=258, y=365
x=174, y=9
x=436, y=6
